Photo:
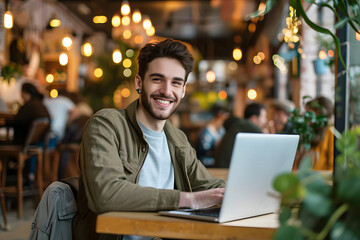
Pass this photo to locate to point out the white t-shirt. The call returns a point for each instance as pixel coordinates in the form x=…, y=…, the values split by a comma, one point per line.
x=157, y=171
x=59, y=109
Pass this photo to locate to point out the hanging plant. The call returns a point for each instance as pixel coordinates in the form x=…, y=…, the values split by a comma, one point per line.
x=10, y=71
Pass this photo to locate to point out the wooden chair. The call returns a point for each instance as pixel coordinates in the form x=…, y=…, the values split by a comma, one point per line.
x=37, y=133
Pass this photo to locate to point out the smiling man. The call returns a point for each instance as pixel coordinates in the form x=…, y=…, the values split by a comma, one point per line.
x=133, y=159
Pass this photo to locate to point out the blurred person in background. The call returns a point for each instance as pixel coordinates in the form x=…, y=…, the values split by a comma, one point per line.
x=255, y=119
x=211, y=135
x=73, y=133
x=323, y=144
x=280, y=111
x=32, y=109
x=60, y=109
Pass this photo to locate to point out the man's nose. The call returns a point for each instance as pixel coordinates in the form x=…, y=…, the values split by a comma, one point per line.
x=165, y=88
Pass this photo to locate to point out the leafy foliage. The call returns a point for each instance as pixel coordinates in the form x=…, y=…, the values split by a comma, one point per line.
x=10, y=71
x=346, y=12
x=307, y=125
x=312, y=208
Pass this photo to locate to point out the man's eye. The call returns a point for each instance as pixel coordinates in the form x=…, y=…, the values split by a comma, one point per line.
x=177, y=83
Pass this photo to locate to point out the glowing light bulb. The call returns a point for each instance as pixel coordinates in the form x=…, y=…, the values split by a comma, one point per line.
x=117, y=56
x=237, y=54
x=8, y=20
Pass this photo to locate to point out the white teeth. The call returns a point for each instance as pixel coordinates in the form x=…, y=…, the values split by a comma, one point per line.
x=163, y=101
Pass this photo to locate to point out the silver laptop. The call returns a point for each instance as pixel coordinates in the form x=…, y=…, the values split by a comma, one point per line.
x=255, y=162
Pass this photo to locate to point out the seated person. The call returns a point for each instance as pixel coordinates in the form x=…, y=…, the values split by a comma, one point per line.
x=32, y=109
x=210, y=136
x=280, y=111
x=133, y=159
x=323, y=144
x=254, y=121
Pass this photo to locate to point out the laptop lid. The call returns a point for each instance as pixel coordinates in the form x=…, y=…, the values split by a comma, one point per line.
x=255, y=162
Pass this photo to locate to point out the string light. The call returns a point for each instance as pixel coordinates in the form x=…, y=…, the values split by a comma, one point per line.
x=8, y=20
x=237, y=54
x=292, y=23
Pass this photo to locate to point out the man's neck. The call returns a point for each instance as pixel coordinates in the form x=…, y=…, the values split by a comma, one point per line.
x=148, y=121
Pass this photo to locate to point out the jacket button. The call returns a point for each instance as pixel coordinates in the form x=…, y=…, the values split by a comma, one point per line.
x=144, y=149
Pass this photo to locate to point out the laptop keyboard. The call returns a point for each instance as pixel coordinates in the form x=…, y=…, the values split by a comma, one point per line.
x=210, y=212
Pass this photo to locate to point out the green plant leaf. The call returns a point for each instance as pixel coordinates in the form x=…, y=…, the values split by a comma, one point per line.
x=348, y=188
x=288, y=232
x=345, y=231
x=289, y=186
x=318, y=204
x=285, y=215
x=269, y=5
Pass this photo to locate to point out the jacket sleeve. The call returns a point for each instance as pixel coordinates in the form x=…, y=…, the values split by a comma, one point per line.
x=199, y=176
x=104, y=178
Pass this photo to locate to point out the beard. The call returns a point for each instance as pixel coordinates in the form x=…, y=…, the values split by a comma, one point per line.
x=156, y=114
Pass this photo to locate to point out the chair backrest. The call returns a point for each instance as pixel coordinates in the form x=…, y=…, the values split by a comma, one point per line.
x=37, y=133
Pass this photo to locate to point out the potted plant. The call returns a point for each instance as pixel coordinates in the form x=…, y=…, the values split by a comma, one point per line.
x=312, y=208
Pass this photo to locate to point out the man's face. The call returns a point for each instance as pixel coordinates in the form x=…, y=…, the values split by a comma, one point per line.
x=162, y=88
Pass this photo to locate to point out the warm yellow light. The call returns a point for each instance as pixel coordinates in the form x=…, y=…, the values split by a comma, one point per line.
x=357, y=36
x=98, y=72
x=330, y=53
x=127, y=72
x=252, y=94
x=300, y=50
x=116, y=21
x=252, y=27
x=50, y=78
x=146, y=23
x=125, y=8
x=63, y=59
x=138, y=39
x=237, y=54
x=55, y=23
x=100, y=19
x=127, y=63
x=8, y=20
x=66, y=42
x=125, y=21
x=117, y=56
x=130, y=53
x=127, y=34
x=136, y=17
x=150, y=31
x=222, y=95
x=87, y=49
x=261, y=55
x=322, y=55
x=54, y=93
x=125, y=92
x=257, y=59
x=210, y=76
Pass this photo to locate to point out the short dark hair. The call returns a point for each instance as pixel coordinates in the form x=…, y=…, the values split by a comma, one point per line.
x=32, y=90
x=253, y=109
x=322, y=105
x=168, y=48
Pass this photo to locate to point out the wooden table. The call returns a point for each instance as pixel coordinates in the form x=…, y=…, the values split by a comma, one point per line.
x=152, y=224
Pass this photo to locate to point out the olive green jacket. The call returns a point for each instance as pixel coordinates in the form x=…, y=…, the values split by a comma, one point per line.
x=113, y=150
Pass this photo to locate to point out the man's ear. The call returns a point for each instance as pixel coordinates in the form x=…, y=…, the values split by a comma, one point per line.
x=184, y=90
x=138, y=81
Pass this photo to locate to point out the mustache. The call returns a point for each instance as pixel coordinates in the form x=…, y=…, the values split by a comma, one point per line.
x=163, y=96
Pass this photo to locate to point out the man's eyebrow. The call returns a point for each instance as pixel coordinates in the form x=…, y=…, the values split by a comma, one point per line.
x=163, y=76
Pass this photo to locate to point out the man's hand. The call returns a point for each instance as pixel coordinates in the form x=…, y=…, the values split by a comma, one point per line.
x=201, y=199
